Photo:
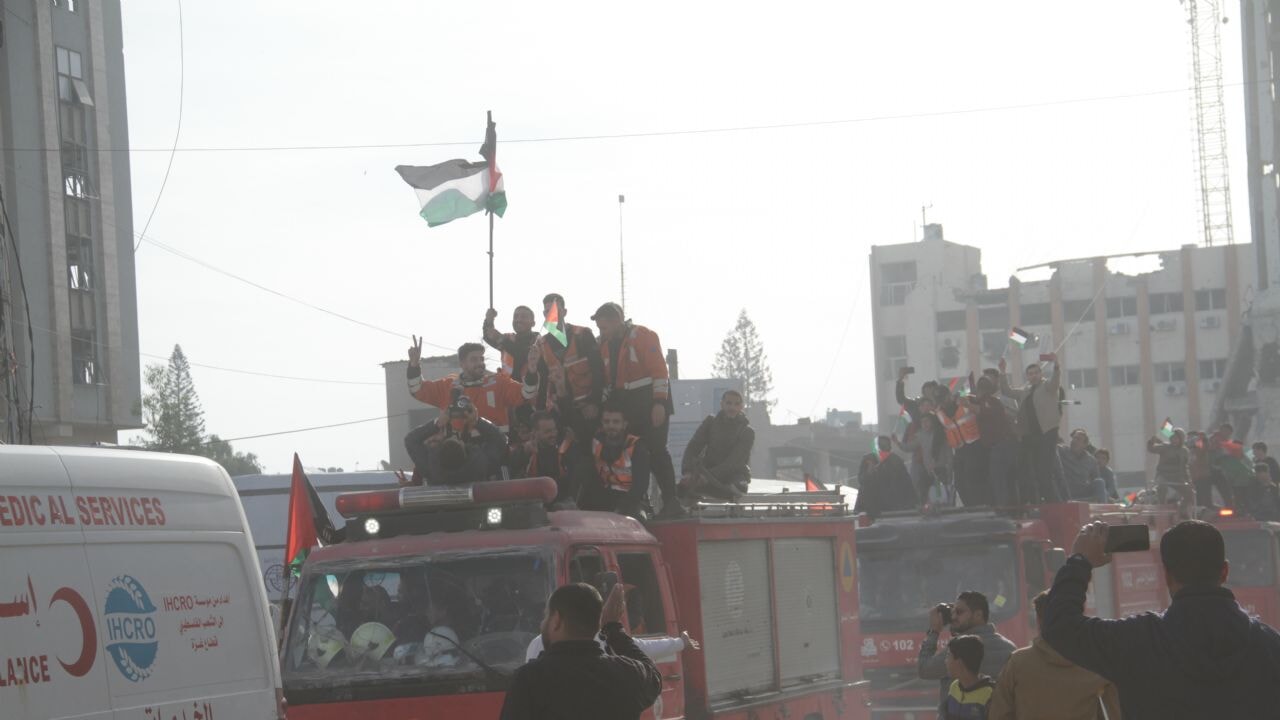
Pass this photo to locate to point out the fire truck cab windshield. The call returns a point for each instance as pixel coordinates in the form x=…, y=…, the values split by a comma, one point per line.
x=898, y=586
x=445, y=623
x=1252, y=555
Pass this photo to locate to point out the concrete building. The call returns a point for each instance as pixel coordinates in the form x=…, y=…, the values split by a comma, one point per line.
x=65, y=184
x=1137, y=348
x=1260, y=41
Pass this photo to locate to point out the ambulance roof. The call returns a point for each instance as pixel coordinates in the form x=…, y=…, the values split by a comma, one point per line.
x=112, y=489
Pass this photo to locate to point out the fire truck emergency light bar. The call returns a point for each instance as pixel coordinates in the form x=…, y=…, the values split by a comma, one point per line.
x=407, y=499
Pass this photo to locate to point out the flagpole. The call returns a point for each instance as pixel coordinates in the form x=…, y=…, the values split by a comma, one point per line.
x=489, y=211
x=490, y=259
x=622, y=263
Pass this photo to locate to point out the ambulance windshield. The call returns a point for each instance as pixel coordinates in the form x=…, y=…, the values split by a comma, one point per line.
x=1250, y=555
x=897, y=587
x=458, y=618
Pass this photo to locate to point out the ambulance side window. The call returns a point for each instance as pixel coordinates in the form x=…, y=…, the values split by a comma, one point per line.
x=586, y=565
x=644, y=601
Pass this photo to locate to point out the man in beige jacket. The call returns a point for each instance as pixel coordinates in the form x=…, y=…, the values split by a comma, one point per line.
x=1039, y=684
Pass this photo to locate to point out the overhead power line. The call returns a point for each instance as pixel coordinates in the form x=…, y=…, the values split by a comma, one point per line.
x=657, y=133
x=309, y=429
x=173, y=152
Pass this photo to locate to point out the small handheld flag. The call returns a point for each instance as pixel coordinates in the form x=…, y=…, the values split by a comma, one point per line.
x=811, y=484
x=1166, y=430
x=552, y=325
x=1021, y=337
x=903, y=422
x=958, y=387
x=309, y=523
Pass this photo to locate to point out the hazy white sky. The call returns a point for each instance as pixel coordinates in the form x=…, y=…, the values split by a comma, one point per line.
x=777, y=221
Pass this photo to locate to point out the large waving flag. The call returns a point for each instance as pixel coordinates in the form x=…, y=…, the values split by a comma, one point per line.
x=309, y=523
x=458, y=188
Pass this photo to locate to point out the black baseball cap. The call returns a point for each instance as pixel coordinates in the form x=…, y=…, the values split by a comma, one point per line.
x=609, y=308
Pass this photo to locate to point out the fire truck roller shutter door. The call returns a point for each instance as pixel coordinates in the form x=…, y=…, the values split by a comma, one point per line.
x=737, y=619
x=808, y=624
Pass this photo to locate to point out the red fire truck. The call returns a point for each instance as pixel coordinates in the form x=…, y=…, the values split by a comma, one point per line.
x=1254, y=554
x=428, y=606
x=907, y=563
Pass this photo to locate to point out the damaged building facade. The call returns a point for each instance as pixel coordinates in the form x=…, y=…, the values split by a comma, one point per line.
x=1139, y=348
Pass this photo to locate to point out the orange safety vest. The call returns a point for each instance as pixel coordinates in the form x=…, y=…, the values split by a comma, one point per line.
x=962, y=429
x=615, y=475
x=577, y=368
x=967, y=421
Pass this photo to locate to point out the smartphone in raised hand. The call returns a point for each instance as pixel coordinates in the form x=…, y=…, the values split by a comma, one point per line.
x=1128, y=538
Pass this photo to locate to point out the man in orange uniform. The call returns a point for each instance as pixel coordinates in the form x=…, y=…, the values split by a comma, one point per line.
x=563, y=373
x=618, y=478
x=494, y=395
x=636, y=379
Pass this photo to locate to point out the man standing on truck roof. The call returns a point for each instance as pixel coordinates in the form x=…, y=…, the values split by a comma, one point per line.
x=574, y=677
x=970, y=615
x=493, y=394
x=514, y=346
x=563, y=373
x=616, y=477
x=636, y=376
x=1040, y=412
x=1203, y=657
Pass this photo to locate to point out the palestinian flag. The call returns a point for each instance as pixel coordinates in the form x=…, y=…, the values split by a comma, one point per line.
x=309, y=523
x=1166, y=430
x=811, y=484
x=458, y=188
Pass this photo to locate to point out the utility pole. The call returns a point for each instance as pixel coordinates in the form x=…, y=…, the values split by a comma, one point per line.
x=622, y=262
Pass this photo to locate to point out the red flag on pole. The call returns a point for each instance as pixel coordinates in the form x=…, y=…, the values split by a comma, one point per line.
x=301, y=536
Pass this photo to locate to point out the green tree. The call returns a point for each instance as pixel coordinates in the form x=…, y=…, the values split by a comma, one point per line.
x=742, y=356
x=175, y=419
x=171, y=409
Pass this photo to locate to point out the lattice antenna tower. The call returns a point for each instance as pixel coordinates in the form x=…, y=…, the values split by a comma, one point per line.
x=1205, y=20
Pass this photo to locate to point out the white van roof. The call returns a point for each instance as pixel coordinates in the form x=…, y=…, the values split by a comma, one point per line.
x=113, y=489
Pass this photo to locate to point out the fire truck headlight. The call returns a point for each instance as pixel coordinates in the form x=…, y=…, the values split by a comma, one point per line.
x=494, y=516
x=372, y=526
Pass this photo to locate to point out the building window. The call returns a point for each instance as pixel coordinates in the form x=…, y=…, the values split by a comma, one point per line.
x=71, y=85
x=897, y=280
x=1082, y=378
x=1169, y=372
x=1215, y=299
x=1074, y=311
x=1213, y=369
x=68, y=5
x=1037, y=314
x=895, y=353
x=1165, y=303
x=951, y=320
x=84, y=359
x=993, y=318
x=1122, y=307
x=994, y=343
x=1125, y=375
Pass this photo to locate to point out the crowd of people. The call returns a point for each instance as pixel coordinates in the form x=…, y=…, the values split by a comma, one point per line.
x=1203, y=657
x=988, y=442
x=591, y=412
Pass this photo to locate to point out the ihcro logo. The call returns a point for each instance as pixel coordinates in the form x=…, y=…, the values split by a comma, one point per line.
x=131, y=628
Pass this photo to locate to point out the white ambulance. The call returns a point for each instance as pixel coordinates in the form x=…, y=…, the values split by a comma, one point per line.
x=129, y=588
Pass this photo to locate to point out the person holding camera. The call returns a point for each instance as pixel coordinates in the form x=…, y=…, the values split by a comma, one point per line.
x=457, y=447
x=969, y=615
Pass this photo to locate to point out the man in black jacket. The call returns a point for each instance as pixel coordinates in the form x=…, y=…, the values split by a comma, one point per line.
x=715, y=461
x=575, y=678
x=1204, y=657
x=457, y=447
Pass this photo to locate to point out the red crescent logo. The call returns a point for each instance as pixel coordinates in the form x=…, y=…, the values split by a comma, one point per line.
x=89, y=650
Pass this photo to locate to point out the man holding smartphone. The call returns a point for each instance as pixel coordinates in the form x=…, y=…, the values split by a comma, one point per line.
x=1203, y=657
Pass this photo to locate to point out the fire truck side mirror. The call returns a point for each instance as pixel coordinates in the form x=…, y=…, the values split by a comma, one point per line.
x=1055, y=559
